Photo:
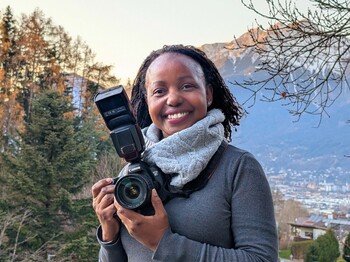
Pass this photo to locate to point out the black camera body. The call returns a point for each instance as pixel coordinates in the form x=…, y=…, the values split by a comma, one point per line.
x=133, y=190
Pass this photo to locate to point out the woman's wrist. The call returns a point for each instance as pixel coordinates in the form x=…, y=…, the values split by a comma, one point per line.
x=108, y=237
x=109, y=233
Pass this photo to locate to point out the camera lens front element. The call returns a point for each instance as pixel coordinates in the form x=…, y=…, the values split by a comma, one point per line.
x=133, y=191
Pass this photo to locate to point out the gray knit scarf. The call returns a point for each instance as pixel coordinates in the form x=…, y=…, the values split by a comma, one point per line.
x=186, y=153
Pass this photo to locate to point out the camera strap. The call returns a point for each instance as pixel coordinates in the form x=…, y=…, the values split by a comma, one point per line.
x=200, y=181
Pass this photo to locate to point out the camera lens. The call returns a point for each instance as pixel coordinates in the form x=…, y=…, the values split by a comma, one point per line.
x=133, y=191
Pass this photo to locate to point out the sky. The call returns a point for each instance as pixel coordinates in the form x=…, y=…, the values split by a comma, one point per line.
x=123, y=32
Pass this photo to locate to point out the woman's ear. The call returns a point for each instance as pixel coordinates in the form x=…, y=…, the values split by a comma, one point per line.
x=209, y=95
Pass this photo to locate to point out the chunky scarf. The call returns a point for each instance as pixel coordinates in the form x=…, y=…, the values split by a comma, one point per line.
x=186, y=153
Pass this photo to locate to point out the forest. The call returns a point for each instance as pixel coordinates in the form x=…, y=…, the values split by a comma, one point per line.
x=53, y=146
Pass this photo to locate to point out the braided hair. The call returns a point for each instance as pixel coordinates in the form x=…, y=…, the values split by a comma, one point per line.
x=222, y=97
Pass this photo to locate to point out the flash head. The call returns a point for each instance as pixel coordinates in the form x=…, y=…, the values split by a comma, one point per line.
x=115, y=109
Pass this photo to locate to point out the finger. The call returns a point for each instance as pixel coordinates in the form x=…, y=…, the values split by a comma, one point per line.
x=96, y=188
x=107, y=190
x=105, y=209
x=126, y=215
x=106, y=201
x=103, y=199
x=157, y=203
x=108, y=212
x=100, y=189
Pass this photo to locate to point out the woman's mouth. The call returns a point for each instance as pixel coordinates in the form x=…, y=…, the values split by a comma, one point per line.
x=178, y=115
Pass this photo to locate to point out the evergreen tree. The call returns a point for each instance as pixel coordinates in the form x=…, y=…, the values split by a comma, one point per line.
x=329, y=247
x=8, y=31
x=312, y=252
x=10, y=111
x=324, y=249
x=53, y=162
x=46, y=161
x=346, y=249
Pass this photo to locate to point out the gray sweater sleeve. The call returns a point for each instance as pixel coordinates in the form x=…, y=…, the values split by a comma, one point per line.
x=112, y=251
x=252, y=224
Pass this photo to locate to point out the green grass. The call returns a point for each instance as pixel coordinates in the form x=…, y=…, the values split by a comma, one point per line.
x=284, y=253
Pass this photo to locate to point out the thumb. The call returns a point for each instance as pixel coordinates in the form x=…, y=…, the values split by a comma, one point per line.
x=157, y=202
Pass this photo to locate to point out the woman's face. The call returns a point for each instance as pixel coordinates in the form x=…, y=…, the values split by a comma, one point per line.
x=177, y=94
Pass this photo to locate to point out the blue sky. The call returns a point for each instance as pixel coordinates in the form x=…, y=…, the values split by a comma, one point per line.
x=123, y=32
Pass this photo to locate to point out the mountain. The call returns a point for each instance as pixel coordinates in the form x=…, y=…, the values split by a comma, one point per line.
x=278, y=139
x=230, y=60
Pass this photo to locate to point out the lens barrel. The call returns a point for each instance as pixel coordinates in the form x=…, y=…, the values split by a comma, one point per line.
x=133, y=191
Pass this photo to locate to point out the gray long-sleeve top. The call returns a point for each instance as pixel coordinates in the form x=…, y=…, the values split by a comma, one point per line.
x=230, y=219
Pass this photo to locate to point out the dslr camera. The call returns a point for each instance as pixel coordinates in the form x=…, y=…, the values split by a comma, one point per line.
x=132, y=190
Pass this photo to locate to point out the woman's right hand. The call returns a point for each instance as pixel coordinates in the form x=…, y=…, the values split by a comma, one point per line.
x=103, y=198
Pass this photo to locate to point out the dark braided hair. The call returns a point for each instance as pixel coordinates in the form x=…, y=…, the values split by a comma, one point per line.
x=222, y=97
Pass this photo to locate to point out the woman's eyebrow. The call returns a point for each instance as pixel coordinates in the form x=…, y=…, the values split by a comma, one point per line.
x=158, y=82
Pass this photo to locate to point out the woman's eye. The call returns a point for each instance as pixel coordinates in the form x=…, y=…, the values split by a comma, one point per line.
x=158, y=91
x=187, y=86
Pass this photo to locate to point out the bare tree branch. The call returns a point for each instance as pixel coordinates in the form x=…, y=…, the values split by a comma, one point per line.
x=26, y=214
x=303, y=58
x=7, y=221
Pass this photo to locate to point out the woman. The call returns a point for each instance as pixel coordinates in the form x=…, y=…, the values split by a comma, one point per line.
x=186, y=112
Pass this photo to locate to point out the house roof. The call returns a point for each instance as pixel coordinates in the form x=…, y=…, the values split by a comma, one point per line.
x=318, y=222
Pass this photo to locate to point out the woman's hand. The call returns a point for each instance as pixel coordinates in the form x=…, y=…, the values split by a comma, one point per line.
x=148, y=230
x=103, y=198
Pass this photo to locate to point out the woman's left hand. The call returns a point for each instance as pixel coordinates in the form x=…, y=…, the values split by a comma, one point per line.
x=148, y=230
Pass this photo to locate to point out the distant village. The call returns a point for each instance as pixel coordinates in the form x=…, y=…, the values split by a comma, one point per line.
x=326, y=197
x=320, y=194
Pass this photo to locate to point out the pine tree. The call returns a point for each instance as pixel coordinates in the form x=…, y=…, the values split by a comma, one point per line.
x=53, y=162
x=329, y=247
x=324, y=249
x=312, y=252
x=51, y=148
x=10, y=110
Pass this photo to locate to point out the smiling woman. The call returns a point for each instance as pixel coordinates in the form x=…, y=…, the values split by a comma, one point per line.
x=225, y=209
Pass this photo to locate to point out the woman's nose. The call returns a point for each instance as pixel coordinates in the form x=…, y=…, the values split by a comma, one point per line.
x=174, y=98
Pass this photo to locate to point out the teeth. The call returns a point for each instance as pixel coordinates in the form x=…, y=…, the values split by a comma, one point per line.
x=178, y=115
